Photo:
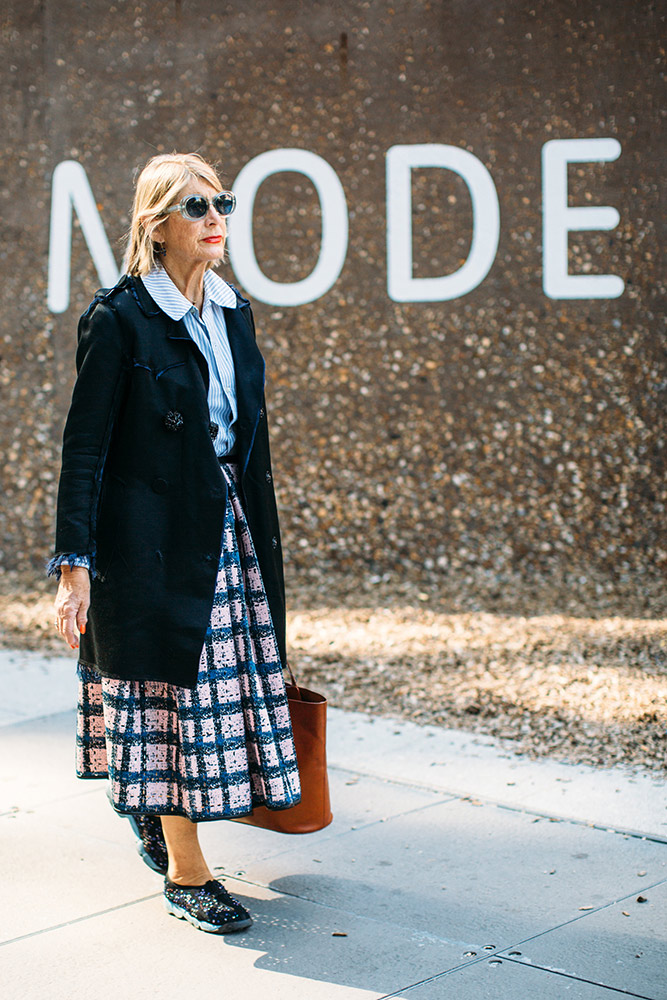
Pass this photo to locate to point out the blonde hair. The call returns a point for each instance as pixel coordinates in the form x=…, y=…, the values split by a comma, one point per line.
x=157, y=188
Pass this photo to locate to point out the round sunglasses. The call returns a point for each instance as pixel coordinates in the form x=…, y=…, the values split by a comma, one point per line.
x=196, y=206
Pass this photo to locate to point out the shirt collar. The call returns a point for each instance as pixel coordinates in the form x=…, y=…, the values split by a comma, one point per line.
x=219, y=291
x=164, y=292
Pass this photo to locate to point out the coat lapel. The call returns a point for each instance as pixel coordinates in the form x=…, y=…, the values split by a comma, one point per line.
x=173, y=329
x=249, y=370
x=248, y=362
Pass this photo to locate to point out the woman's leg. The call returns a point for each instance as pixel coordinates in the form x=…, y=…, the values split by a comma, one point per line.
x=187, y=865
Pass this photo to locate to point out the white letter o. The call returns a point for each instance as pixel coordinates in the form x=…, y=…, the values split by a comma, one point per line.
x=334, y=227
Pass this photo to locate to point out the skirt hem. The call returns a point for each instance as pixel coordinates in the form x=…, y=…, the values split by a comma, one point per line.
x=215, y=751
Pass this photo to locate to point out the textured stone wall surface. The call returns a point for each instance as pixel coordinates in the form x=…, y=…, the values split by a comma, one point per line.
x=502, y=430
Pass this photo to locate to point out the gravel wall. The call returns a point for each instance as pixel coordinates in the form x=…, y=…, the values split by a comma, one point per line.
x=502, y=431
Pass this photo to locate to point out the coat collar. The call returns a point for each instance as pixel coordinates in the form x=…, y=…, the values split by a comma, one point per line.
x=150, y=307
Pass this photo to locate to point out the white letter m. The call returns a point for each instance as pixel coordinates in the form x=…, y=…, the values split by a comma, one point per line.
x=71, y=192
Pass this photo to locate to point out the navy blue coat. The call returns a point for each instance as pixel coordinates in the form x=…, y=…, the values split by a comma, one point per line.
x=141, y=490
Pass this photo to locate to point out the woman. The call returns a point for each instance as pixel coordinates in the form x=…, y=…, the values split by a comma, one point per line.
x=168, y=547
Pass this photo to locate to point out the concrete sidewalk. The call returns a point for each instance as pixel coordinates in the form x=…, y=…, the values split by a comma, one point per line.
x=453, y=869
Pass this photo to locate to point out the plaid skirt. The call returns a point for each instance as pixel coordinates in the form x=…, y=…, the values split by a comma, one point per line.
x=216, y=750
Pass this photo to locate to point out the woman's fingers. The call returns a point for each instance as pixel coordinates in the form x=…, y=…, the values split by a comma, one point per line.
x=68, y=633
x=82, y=619
x=72, y=603
x=66, y=621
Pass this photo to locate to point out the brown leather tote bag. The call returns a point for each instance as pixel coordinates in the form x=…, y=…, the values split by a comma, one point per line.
x=308, y=711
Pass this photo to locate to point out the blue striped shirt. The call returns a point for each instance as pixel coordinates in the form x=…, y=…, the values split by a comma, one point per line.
x=209, y=333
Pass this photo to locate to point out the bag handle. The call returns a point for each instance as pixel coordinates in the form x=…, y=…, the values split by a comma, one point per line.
x=291, y=675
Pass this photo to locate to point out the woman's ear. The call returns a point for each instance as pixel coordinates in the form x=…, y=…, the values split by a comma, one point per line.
x=154, y=231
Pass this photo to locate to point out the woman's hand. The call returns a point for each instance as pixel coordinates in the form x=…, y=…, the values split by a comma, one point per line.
x=72, y=603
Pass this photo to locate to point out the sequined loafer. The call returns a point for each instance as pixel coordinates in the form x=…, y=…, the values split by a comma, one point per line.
x=151, y=845
x=209, y=907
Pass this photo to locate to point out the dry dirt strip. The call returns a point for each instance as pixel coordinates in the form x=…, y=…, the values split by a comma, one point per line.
x=573, y=686
x=580, y=689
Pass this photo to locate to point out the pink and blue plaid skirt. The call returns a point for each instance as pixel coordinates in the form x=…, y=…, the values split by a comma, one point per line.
x=216, y=750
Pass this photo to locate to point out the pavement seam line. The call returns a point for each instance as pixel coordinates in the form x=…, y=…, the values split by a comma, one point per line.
x=79, y=920
x=654, y=838
x=510, y=807
x=583, y=916
x=331, y=835
x=578, y=979
x=499, y=954
x=487, y=958
x=438, y=975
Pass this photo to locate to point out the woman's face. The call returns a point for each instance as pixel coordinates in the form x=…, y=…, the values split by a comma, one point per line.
x=189, y=241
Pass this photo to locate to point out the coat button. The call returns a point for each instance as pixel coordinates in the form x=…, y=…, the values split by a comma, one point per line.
x=269, y=477
x=160, y=485
x=261, y=412
x=274, y=542
x=173, y=420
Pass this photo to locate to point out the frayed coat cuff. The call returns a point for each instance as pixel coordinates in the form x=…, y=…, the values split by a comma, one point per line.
x=72, y=558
